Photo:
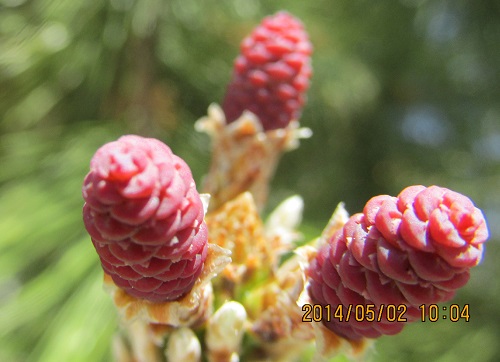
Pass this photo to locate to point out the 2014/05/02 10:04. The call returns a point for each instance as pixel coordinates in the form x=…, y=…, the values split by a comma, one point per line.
x=393, y=313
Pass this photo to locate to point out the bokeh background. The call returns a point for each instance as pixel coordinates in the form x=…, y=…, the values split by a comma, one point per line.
x=404, y=92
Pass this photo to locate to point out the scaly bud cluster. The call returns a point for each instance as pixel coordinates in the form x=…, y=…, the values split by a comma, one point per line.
x=147, y=224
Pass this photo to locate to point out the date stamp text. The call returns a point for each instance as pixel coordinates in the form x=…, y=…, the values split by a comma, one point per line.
x=382, y=313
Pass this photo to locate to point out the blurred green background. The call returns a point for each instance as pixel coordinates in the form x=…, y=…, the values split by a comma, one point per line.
x=404, y=92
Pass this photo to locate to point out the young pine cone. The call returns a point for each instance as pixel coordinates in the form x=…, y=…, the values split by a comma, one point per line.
x=409, y=250
x=145, y=218
x=271, y=75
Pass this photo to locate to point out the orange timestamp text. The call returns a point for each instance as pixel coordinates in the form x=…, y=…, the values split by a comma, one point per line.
x=382, y=313
x=359, y=313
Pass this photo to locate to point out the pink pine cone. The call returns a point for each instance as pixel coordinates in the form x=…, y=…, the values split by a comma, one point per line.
x=271, y=75
x=409, y=250
x=145, y=218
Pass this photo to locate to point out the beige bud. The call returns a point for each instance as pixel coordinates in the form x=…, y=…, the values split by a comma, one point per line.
x=281, y=225
x=183, y=346
x=226, y=328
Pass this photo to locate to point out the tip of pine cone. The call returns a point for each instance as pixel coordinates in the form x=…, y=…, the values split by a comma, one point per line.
x=272, y=73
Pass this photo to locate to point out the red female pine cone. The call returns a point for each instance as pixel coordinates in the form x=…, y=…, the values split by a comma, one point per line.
x=271, y=75
x=409, y=250
x=145, y=218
